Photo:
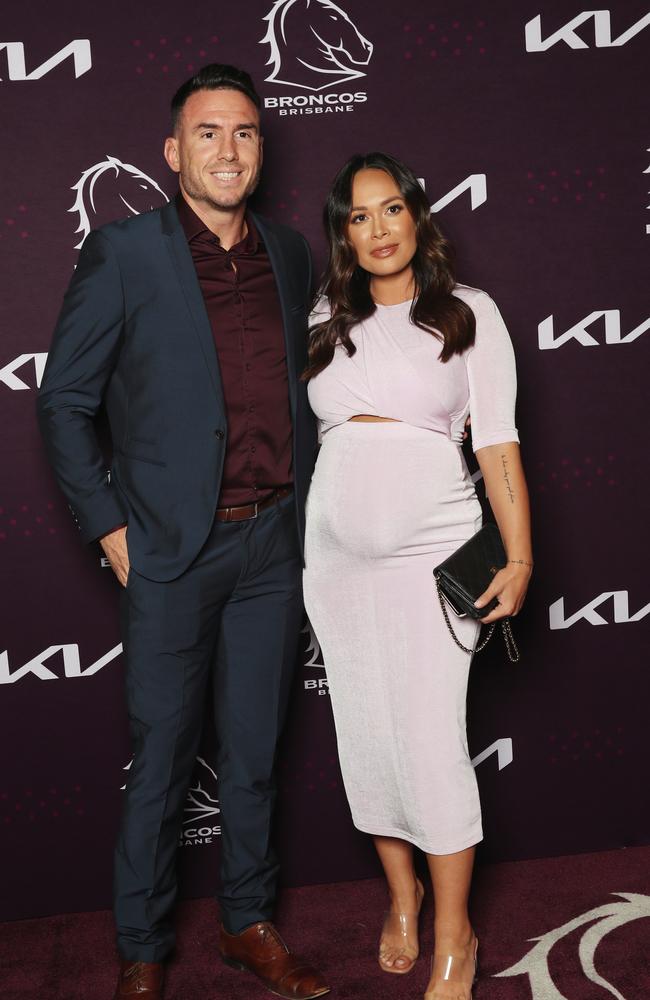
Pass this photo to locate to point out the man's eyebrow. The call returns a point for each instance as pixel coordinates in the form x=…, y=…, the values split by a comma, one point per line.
x=395, y=197
x=214, y=125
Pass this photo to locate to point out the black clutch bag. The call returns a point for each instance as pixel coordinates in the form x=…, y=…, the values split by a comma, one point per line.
x=465, y=575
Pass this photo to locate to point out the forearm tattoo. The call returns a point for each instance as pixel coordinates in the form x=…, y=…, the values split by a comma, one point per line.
x=506, y=479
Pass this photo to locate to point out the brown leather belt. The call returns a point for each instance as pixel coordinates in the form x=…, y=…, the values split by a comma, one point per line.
x=249, y=510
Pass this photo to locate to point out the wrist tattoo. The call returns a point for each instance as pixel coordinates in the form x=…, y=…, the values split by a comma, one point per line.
x=506, y=477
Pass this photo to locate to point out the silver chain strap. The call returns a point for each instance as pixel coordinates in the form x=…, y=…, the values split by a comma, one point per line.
x=511, y=645
x=509, y=640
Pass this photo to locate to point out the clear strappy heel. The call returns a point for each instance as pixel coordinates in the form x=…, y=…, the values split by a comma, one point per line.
x=402, y=928
x=450, y=969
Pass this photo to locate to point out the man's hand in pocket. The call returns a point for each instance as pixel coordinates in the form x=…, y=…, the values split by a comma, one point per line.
x=114, y=546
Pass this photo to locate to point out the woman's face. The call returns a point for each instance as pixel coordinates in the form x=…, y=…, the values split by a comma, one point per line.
x=380, y=228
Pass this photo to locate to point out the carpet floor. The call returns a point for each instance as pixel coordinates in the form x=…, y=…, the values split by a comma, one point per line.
x=571, y=928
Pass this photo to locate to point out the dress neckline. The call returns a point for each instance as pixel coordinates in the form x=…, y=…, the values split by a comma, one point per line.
x=394, y=305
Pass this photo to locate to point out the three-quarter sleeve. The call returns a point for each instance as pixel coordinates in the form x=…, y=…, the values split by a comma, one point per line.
x=320, y=313
x=492, y=377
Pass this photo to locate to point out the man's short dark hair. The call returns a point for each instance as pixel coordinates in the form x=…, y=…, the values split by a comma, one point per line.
x=216, y=76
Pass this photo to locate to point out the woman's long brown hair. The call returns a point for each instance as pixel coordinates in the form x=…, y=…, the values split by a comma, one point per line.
x=347, y=286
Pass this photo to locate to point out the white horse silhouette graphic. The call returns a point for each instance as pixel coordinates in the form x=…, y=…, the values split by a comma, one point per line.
x=199, y=803
x=129, y=188
x=607, y=917
x=313, y=647
x=314, y=44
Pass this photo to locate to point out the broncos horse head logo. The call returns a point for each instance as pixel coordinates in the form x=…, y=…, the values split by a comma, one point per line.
x=110, y=190
x=200, y=803
x=630, y=906
x=314, y=44
x=313, y=651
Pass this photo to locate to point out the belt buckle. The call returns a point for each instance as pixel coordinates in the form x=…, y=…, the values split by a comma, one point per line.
x=256, y=506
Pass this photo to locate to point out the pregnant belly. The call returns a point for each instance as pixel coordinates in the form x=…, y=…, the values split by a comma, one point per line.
x=388, y=489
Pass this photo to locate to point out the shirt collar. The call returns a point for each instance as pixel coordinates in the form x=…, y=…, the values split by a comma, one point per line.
x=194, y=227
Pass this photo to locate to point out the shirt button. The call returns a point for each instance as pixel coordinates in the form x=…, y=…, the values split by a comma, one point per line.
x=218, y=433
x=253, y=448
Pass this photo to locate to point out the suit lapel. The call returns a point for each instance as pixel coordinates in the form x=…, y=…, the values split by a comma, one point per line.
x=186, y=273
x=279, y=264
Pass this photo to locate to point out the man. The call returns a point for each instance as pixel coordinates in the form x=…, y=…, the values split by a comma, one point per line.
x=190, y=323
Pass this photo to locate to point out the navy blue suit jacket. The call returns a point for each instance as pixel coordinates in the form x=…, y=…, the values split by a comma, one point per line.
x=134, y=333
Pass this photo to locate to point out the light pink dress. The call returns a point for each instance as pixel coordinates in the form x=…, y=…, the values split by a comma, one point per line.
x=387, y=503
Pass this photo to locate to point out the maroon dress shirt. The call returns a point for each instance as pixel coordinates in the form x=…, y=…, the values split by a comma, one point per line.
x=244, y=310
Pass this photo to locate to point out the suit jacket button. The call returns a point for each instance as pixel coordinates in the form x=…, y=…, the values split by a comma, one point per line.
x=218, y=433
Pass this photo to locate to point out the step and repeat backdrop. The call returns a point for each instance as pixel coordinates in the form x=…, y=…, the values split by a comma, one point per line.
x=527, y=124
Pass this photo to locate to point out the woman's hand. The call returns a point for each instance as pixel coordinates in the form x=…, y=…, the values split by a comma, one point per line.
x=505, y=485
x=509, y=586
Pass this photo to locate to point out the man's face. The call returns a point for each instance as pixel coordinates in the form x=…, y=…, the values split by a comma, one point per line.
x=217, y=148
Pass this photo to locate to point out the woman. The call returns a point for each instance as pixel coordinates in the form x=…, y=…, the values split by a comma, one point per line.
x=399, y=356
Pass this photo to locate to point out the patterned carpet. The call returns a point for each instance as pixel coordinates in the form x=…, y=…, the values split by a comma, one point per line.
x=572, y=928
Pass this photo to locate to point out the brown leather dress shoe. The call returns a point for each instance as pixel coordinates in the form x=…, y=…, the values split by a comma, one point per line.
x=140, y=981
x=261, y=950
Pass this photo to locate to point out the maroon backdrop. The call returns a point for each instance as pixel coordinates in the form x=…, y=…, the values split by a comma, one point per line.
x=524, y=122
